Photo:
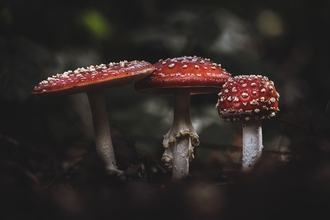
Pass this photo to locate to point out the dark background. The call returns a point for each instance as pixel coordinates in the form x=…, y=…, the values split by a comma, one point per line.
x=48, y=165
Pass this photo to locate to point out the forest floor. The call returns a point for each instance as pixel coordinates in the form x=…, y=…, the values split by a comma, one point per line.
x=38, y=183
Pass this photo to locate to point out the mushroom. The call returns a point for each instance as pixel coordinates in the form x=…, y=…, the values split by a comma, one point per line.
x=248, y=98
x=93, y=80
x=182, y=77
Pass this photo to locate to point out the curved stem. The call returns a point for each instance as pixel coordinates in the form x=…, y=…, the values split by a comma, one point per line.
x=252, y=143
x=103, y=141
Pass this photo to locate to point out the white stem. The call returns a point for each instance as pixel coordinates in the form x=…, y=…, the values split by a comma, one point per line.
x=102, y=134
x=182, y=144
x=252, y=143
x=180, y=167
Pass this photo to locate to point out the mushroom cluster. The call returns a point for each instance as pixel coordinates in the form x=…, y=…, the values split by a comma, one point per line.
x=245, y=97
x=248, y=98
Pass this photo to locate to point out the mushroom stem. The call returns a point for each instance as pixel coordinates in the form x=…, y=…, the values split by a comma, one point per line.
x=103, y=141
x=252, y=143
x=181, y=157
x=183, y=131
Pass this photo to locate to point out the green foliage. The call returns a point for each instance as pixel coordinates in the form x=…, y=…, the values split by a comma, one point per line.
x=95, y=24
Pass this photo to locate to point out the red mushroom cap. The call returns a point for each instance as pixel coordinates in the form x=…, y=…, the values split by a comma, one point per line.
x=246, y=96
x=197, y=74
x=94, y=77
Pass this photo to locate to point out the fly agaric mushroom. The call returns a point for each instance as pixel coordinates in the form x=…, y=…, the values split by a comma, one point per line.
x=93, y=80
x=248, y=98
x=182, y=76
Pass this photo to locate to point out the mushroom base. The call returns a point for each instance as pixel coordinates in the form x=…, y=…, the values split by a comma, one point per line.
x=170, y=141
x=181, y=157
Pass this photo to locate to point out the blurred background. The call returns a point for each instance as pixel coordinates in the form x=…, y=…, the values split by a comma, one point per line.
x=45, y=139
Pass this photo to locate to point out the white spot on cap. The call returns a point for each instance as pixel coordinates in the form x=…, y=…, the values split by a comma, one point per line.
x=272, y=114
x=254, y=102
x=161, y=74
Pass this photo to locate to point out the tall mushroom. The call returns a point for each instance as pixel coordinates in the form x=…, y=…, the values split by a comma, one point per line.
x=248, y=98
x=93, y=80
x=182, y=77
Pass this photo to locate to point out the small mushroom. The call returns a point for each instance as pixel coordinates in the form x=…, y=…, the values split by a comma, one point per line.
x=93, y=80
x=182, y=77
x=248, y=98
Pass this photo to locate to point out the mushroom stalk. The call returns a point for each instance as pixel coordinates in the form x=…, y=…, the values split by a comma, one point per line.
x=252, y=143
x=103, y=141
x=183, y=131
x=181, y=157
